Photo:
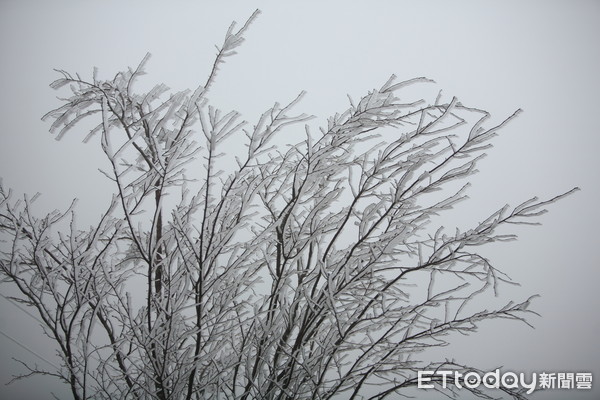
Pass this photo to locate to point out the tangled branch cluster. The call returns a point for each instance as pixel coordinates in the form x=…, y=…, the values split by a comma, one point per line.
x=285, y=273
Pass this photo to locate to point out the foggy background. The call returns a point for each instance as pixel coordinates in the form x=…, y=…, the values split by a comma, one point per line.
x=541, y=56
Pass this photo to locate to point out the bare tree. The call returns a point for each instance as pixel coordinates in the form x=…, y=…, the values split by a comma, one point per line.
x=278, y=273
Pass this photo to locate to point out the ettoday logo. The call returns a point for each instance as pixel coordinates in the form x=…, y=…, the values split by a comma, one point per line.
x=509, y=380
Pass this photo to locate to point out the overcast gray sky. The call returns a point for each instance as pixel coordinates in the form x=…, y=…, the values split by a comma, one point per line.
x=541, y=56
